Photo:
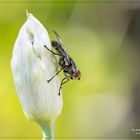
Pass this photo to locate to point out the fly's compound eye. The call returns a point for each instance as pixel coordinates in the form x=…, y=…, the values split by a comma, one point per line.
x=77, y=74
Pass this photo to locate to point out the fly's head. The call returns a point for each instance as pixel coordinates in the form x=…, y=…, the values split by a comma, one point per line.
x=77, y=74
x=74, y=72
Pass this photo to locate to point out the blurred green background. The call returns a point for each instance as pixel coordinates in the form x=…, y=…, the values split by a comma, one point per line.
x=103, y=39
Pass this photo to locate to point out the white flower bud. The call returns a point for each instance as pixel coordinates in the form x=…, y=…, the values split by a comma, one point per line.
x=32, y=65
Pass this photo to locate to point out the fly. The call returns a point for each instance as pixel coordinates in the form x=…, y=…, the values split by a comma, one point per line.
x=66, y=63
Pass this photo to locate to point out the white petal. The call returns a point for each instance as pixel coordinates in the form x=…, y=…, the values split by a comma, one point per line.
x=32, y=65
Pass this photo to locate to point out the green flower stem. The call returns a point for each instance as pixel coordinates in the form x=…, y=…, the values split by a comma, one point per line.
x=48, y=130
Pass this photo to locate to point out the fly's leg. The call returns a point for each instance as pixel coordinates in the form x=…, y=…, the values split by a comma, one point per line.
x=54, y=75
x=52, y=51
x=63, y=82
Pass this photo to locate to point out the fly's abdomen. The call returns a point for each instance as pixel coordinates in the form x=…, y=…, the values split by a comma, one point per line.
x=57, y=47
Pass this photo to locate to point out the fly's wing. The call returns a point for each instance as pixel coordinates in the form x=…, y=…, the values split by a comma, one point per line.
x=61, y=44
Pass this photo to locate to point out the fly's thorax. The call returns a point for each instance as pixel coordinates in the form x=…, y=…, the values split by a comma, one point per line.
x=67, y=63
x=63, y=62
